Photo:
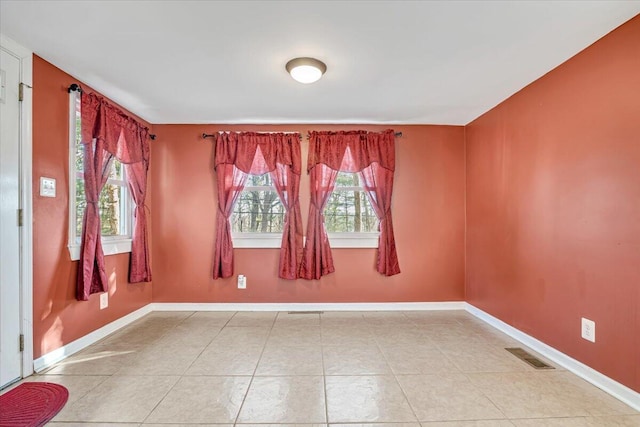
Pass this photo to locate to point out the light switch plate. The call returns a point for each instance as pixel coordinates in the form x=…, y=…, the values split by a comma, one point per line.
x=47, y=187
x=104, y=300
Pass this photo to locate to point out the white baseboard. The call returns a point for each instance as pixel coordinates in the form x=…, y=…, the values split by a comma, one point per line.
x=48, y=359
x=329, y=306
x=614, y=388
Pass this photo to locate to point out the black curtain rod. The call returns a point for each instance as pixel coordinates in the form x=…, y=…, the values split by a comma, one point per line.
x=75, y=87
x=211, y=135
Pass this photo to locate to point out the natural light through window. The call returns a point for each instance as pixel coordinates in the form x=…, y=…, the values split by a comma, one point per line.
x=258, y=215
x=349, y=218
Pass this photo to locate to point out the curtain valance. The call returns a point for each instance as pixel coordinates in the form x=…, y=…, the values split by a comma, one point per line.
x=258, y=153
x=352, y=151
x=121, y=135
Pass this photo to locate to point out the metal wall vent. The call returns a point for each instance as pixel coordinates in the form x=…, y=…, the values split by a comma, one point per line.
x=305, y=312
x=529, y=358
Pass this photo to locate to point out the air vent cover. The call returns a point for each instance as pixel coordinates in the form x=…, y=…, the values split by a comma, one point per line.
x=529, y=358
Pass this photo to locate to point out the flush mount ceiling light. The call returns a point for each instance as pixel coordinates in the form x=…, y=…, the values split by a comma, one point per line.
x=306, y=70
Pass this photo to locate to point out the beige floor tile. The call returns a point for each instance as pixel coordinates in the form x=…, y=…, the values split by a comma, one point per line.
x=376, y=425
x=181, y=425
x=189, y=335
x=375, y=398
x=295, y=336
x=447, y=397
x=342, y=318
x=290, y=361
x=160, y=361
x=65, y=424
x=354, y=360
x=394, y=337
x=482, y=357
x=226, y=360
x=119, y=399
x=262, y=319
x=418, y=360
x=347, y=335
x=284, y=400
x=232, y=335
x=95, y=360
x=545, y=394
x=609, y=421
x=202, y=400
x=281, y=425
x=77, y=385
x=285, y=319
x=476, y=423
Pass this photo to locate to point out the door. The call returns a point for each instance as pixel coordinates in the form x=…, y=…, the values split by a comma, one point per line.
x=10, y=356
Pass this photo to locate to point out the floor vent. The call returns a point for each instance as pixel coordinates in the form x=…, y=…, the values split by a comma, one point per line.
x=529, y=358
x=305, y=312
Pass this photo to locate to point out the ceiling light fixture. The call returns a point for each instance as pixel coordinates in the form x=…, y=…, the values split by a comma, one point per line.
x=306, y=70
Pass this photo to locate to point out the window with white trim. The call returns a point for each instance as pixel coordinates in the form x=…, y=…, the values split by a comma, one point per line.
x=115, y=203
x=349, y=218
x=257, y=220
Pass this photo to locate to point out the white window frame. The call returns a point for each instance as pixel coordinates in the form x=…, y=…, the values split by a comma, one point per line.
x=111, y=245
x=255, y=240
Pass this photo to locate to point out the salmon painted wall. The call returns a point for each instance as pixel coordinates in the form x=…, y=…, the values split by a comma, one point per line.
x=428, y=209
x=553, y=207
x=57, y=317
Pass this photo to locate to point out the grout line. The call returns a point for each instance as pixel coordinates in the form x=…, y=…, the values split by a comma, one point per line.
x=324, y=375
x=264, y=346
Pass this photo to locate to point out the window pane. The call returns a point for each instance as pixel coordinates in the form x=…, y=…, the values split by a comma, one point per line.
x=349, y=211
x=110, y=208
x=258, y=181
x=258, y=211
x=81, y=203
x=117, y=170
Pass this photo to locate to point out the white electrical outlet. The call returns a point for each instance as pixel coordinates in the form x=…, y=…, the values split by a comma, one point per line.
x=588, y=330
x=104, y=300
x=242, y=281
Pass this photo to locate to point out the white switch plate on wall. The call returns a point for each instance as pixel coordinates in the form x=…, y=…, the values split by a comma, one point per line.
x=47, y=187
x=104, y=300
x=588, y=330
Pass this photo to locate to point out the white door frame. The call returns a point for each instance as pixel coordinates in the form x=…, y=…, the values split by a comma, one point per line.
x=26, y=201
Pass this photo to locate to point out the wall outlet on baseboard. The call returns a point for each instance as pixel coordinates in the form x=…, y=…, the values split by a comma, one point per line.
x=104, y=300
x=242, y=281
x=588, y=330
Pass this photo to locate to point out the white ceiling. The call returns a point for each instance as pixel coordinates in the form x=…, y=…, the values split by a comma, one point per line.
x=434, y=62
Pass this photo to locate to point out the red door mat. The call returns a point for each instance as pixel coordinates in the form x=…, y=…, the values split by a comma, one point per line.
x=31, y=404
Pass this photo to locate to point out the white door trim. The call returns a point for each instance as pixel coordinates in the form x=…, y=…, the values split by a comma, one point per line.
x=26, y=200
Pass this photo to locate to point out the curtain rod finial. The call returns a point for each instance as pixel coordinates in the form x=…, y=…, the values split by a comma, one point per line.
x=74, y=88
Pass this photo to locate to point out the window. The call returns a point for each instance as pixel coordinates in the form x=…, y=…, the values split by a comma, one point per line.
x=115, y=203
x=349, y=219
x=257, y=220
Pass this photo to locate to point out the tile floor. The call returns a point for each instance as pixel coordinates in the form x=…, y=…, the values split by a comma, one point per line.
x=357, y=368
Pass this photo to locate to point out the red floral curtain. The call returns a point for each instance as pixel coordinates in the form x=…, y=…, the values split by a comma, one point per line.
x=238, y=155
x=372, y=155
x=107, y=133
